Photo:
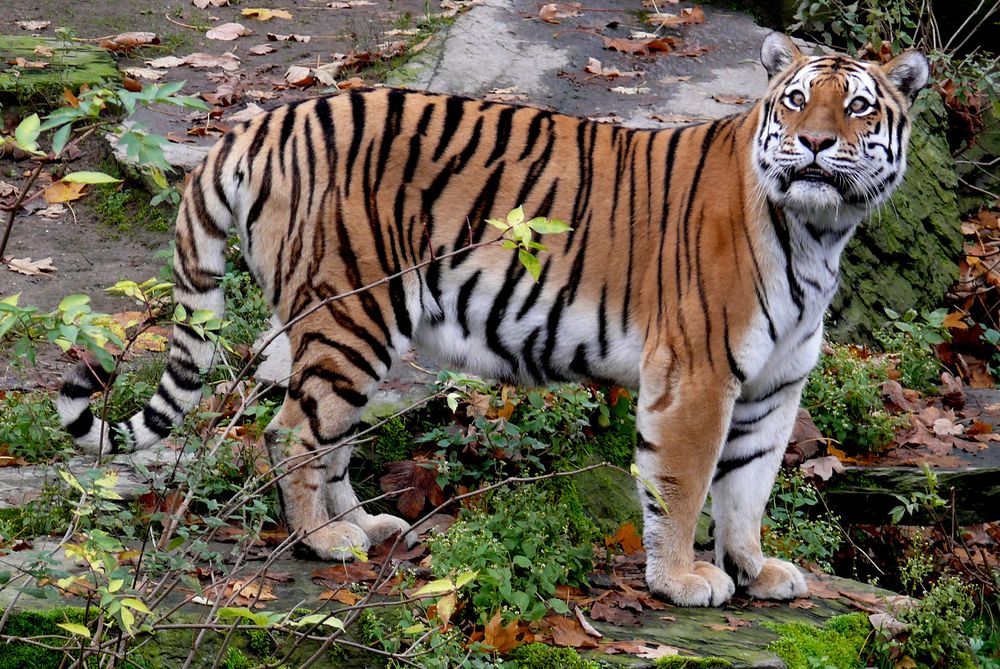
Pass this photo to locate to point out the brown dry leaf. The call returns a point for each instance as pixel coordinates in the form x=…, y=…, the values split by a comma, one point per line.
x=227, y=61
x=820, y=589
x=650, y=650
x=675, y=79
x=144, y=73
x=801, y=604
x=594, y=67
x=601, y=612
x=261, y=50
x=418, y=474
x=64, y=191
x=52, y=212
x=512, y=94
x=29, y=267
x=32, y=25
x=125, y=42
x=568, y=632
x=630, y=90
x=205, y=4
x=956, y=320
x=250, y=594
x=227, y=32
x=347, y=572
x=166, y=61
x=689, y=16
x=946, y=428
x=720, y=627
x=736, y=621
x=273, y=37
x=42, y=50
x=247, y=113
x=823, y=467
x=445, y=607
x=640, y=48
x=554, y=11
x=504, y=638
x=610, y=118
x=341, y=595
x=692, y=51
x=297, y=75
x=11, y=461
x=731, y=99
x=675, y=119
x=266, y=14
x=28, y=64
x=627, y=537
x=898, y=397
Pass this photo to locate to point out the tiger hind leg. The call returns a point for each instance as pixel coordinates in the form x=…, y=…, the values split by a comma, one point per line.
x=741, y=487
x=309, y=440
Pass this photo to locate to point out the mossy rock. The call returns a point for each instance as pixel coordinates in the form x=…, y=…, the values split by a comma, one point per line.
x=608, y=497
x=71, y=65
x=904, y=256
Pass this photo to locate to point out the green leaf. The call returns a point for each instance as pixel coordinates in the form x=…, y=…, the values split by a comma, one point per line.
x=320, y=619
x=438, y=587
x=26, y=133
x=90, y=178
x=559, y=606
x=522, y=561
x=548, y=226
x=74, y=628
x=61, y=138
x=465, y=578
x=73, y=301
x=127, y=620
x=516, y=216
x=497, y=223
x=136, y=604
x=531, y=263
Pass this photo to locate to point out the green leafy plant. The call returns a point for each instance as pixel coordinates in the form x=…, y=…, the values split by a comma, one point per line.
x=29, y=427
x=521, y=547
x=519, y=236
x=795, y=528
x=843, y=395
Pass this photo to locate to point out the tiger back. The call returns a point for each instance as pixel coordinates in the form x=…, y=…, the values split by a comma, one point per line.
x=698, y=268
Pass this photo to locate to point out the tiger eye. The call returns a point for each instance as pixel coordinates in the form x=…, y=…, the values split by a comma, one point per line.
x=859, y=105
x=796, y=99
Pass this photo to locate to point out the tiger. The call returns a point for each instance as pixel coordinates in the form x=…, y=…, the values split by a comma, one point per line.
x=698, y=267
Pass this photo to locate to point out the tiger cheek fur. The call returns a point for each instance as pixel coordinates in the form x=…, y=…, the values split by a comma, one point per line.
x=698, y=269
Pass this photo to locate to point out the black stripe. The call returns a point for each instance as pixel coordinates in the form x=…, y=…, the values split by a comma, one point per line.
x=602, y=322
x=726, y=467
x=504, y=123
x=81, y=426
x=157, y=421
x=454, y=109
x=464, y=294
x=357, y=132
x=641, y=444
x=733, y=365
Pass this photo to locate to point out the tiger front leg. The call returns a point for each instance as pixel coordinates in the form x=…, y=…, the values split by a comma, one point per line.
x=680, y=428
x=741, y=486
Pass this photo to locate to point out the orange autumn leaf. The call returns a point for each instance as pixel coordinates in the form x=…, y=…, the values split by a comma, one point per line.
x=627, y=537
x=64, y=191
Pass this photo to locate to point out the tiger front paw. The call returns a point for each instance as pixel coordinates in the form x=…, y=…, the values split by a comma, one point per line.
x=704, y=585
x=336, y=541
x=381, y=527
x=778, y=580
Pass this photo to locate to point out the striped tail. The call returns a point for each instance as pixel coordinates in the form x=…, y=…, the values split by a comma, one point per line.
x=199, y=262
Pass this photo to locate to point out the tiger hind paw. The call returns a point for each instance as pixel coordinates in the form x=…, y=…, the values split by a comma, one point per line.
x=704, y=585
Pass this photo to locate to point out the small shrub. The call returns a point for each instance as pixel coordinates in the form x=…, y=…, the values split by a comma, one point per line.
x=792, y=530
x=843, y=395
x=522, y=546
x=29, y=427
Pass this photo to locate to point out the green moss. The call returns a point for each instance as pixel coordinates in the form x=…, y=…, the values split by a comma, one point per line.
x=25, y=624
x=617, y=444
x=837, y=645
x=393, y=441
x=541, y=656
x=125, y=207
x=677, y=662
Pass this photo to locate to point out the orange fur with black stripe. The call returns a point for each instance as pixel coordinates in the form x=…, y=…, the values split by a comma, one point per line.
x=698, y=269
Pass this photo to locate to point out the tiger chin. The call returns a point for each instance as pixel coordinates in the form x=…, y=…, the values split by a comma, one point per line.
x=698, y=269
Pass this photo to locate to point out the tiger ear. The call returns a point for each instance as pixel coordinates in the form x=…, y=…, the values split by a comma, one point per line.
x=908, y=72
x=777, y=53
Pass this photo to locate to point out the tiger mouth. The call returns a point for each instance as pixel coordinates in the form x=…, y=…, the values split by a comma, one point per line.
x=815, y=174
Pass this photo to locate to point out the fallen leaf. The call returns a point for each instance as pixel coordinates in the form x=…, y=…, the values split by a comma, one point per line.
x=944, y=428
x=649, y=650
x=349, y=5
x=261, y=49
x=689, y=16
x=418, y=474
x=627, y=537
x=353, y=82
x=32, y=25
x=28, y=64
x=601, y=612
x=512, y=94
x=568, y=632
x=42, y=50
x=554, y=11
x=205, y=4
x=630, y=90
x=341, y=595
x=266, y=14
x=801, y=603
x=899, y=398
x=288, y=38
x=247, y=113
x=297, y=75
x=52, y=212
x=144, y=73
x=166, y=61
x=731, y=99
x=823, y=467
x=504, y=638
x=594, y=67
x=347, y=572
x=63, y=191
x=250, y=594
x=31, y=268
x=674, y=79
x=720, y=627
x=640, y=48
x=610, y=118
x=126, y=42
x=952, y=391
x=227, y=32
x=227, y=61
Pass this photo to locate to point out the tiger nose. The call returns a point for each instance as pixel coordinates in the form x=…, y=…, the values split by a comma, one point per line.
x=817, y=141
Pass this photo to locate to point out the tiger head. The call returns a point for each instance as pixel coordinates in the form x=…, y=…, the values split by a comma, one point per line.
x=833, y=131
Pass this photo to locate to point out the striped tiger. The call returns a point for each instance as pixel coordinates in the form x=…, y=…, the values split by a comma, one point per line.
x=699, y=265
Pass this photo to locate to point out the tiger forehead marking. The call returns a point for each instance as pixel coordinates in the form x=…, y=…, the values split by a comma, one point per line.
x=698, y=269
